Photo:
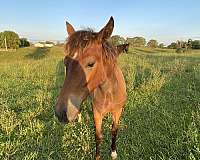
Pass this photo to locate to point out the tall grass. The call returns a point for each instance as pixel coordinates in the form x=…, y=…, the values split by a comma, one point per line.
x=161, y=119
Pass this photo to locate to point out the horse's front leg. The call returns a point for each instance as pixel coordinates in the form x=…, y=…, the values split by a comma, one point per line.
x=98, y=131
x=115, y=118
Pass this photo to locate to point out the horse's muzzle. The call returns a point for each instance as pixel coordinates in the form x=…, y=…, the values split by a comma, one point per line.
x=62, y=116
x=67, y=111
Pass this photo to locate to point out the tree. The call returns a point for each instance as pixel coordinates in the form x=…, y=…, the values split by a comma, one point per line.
x=58, y=43
x=183, y=46
x=173, y=45
x=189, y=43
x=161, y=45
x=117, y=40
x=1, y=40
x=136, y=41
x=152, y=43
x=49, y=42
x=24, y=42
x=11, y=38
x=195, y=44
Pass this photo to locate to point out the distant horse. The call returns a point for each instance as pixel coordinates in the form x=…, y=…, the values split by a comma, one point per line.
x=92, y=69
x=123, y=48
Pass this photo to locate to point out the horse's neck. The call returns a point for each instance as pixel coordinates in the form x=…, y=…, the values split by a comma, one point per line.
x=110, y=82
x=107, y=88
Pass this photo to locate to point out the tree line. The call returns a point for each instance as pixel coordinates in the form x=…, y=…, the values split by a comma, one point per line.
x=141, y=42
x=11, y=40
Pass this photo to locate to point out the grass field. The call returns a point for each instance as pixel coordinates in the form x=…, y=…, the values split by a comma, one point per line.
x=161, y=120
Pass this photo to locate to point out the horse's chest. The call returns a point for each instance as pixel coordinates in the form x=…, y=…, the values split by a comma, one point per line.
x=103, y=98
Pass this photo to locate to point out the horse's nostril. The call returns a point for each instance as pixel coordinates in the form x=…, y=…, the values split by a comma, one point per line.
x=62, y=116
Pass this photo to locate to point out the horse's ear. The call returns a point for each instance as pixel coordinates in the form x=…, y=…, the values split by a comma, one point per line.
x=70, y=29
x=106, y=32
x=121, y=48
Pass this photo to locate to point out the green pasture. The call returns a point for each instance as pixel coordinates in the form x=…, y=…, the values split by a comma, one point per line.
x=161, y=119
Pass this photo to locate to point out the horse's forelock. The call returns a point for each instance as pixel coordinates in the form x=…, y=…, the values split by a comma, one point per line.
x=78, y=41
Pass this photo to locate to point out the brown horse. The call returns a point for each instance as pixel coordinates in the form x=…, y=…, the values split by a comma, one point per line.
x=92, y=70
x=123, y=48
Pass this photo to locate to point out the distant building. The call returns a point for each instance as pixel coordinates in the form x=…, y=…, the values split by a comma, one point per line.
x=49, y=45
x=44, y=44
x=39, y=44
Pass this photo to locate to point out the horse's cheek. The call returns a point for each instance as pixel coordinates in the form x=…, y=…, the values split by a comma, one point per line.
x=93, y=84
x=97, y=78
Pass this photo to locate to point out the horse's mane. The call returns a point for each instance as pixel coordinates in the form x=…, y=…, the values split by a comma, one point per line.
x=79, y=40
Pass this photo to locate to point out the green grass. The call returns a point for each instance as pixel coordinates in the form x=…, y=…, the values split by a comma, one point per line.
x=161, y=119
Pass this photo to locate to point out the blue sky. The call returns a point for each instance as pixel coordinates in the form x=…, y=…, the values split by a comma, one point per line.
x=165, y=21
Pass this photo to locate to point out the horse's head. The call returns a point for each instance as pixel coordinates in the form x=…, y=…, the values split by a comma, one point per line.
x=122, y=48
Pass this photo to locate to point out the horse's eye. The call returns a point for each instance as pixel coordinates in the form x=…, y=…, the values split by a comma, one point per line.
x=66, y=60
x=90, y=64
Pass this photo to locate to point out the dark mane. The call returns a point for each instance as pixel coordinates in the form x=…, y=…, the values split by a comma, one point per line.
x=78, y=41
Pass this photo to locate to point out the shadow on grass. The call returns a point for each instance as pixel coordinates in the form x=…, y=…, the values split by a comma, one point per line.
x=53, y=131
x=153, y=50
x=145, y=50
x=163, y=50
x=156, y=54
x=39, y=53
x=163, y=125
x=169, y=58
